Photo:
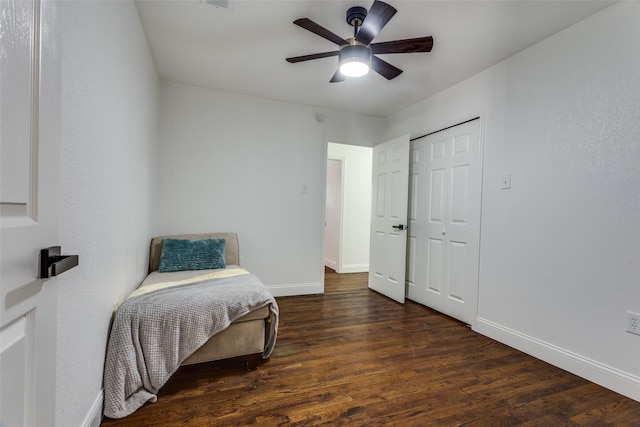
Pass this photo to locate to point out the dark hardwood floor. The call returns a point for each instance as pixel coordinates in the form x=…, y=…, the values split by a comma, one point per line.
x=352, y=357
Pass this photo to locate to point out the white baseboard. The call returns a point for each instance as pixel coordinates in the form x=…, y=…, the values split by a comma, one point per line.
x=94, y=417
x=606, y=376
x=355, y=268
x=296, y=289
x=332, y=264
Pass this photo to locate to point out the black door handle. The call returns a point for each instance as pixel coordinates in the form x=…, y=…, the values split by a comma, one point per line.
x=398, y=227
x=52, y=263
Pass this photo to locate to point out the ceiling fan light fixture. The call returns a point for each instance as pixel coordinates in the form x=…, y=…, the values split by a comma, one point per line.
x=354, y=60
x=356, y=55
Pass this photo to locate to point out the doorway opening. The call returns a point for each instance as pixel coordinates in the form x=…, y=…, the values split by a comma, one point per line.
x=348, y=208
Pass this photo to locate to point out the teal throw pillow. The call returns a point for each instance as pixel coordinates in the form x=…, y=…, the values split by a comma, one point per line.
x=181, y=254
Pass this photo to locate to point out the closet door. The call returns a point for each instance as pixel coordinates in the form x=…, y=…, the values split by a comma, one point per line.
x=415, y=270
x=447, y=246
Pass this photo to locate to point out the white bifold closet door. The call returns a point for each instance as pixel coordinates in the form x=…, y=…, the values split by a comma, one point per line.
x=444, y=220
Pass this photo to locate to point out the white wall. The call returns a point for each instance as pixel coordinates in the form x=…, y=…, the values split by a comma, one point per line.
x=237, y=163
x=560, y=250
x=109, y=144
x=356, y=220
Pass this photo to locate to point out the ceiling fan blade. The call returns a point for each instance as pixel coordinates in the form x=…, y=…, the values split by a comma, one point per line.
x=385, y=69
x=295, y=59
x=377, y=17
x=318, y=29
x=419, y=44
x=337, y=77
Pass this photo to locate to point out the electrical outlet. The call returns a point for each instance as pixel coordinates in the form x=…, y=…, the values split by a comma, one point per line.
x=633, y=322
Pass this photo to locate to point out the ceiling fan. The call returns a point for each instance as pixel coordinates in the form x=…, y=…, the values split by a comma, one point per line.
x=357, y=54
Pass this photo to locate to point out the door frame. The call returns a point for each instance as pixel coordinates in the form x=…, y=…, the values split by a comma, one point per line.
x=341, y=215
x=325, y=157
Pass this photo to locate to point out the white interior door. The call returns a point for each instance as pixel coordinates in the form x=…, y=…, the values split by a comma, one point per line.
x=446, y=189
x=389, y=196
x=29, y=153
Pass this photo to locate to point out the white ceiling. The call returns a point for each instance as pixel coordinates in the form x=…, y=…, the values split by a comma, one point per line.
x=243, y=49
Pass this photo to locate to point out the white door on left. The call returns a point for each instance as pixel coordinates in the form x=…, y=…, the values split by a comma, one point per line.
x=389, y=196
x=29, y=141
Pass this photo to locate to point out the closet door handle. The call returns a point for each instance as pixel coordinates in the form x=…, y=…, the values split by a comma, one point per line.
x=398, y=227
x=444, y=232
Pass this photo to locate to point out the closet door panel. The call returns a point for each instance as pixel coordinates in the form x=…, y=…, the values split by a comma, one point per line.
x=435, y=264
x=448, y=184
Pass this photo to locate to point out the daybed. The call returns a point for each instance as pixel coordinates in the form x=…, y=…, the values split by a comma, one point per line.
x=183, y=317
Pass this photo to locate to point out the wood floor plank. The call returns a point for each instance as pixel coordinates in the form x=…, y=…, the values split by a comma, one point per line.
x=351, y=357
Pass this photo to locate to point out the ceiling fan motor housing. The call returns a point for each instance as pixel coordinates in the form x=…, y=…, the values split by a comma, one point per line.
x=356, y=15
x=355, y=51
